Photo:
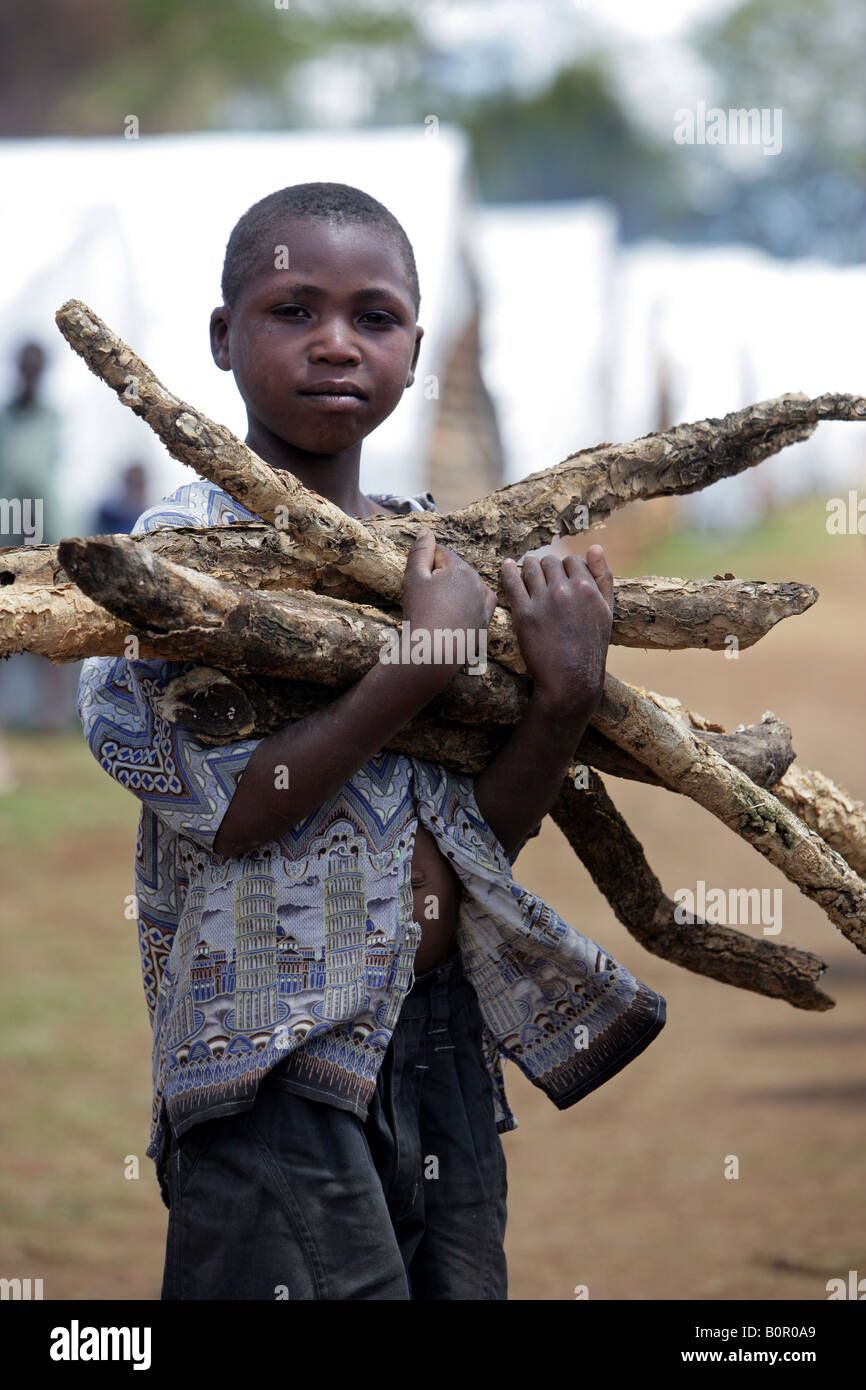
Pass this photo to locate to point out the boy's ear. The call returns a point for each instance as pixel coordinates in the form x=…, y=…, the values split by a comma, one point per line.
x=219, y=337
x=419, y=334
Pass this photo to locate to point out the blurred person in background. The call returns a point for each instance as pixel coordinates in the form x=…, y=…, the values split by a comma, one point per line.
x=29, y=455
x=119, y=511
x=33, y=692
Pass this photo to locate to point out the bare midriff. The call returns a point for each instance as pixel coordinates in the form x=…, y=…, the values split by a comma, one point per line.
x=435, y=899
x=435, y=886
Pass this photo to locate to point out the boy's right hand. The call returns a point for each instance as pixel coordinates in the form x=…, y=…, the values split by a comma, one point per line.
x=440, y=590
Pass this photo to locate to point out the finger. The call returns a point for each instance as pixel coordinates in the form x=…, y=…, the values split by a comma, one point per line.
x=552, y=567
x=533, y=576
x=512, y=579
x=601, y=573
x=574, y=566
x=421, y=552
x=442, y=557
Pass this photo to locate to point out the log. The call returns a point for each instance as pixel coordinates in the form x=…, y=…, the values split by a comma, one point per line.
x=584, y=490
x=52, y=617
x=59, y=622
x=301, y=635
x=820, y=803
x=247, y=631
x=65, y=625
x=616, y=862
x=678, y=613
x=244, y=552
x=649, y=611
x=828, y=810
x=295, y=634
x=762, y=751
x=220, y=708
x=689, y=765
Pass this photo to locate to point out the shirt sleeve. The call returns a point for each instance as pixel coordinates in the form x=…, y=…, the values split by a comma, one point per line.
x=530, y=836
x=188, y=784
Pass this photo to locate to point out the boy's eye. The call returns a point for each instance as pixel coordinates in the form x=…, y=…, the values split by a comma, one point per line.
x=379, y=318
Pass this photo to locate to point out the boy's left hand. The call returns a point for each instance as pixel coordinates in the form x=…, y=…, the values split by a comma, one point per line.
x=563, y=613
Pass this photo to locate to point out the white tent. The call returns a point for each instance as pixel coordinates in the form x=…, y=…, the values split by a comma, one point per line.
x=547, y=285
x=735, y=326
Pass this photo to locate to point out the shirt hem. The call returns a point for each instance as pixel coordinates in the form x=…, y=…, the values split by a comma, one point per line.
x=617, y=1063
x=287, y=1083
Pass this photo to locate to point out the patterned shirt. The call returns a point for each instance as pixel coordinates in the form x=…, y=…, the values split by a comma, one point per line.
x=299, y=954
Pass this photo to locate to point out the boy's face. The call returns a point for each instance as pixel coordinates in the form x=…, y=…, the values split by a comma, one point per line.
x=341, y=313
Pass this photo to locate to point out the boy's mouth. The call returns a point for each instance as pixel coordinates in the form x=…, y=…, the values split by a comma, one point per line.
x=335, y=395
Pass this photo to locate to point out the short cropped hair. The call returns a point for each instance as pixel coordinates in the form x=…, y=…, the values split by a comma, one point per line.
x=328, y=201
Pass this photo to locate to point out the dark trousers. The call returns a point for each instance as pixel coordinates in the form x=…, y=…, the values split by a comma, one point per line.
x=297, y=1199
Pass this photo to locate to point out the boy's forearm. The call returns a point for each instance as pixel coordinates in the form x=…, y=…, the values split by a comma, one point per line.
x=292, y=772
x=521, y=782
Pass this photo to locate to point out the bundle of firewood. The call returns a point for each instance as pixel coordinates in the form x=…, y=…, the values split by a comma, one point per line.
x=279, y=615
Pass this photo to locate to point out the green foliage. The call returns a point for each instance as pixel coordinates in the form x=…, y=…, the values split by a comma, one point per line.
x=79, y=69
x=573, y=139
x=175, y=66
x=804, y=57
x=781, y=546
x=62, y=791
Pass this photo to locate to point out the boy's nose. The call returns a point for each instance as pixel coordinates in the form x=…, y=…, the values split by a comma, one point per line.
x=335, y=345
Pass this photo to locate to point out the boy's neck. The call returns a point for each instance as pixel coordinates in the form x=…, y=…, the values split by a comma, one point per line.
x=334, y=476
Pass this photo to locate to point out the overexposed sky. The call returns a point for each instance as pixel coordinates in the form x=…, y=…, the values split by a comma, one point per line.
x=544, y=27
x=667, y=18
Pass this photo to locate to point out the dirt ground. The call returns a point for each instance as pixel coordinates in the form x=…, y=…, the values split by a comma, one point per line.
x=626, y=1192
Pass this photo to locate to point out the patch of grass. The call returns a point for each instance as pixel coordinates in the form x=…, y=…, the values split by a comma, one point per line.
x=73, y=1024
x=782, y=546
x=62, y=790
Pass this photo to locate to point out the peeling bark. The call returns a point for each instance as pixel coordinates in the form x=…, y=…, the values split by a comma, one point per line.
x=584, y=490
x=616, y=862
x=828, y=810
x=194, y=617
x=220, y=708
x=648, y=611
x=692, y=767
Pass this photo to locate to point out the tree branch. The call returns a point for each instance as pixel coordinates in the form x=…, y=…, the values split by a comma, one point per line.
x=648, y=611
x=616, y=862
x=322, y=639
x=589, y=485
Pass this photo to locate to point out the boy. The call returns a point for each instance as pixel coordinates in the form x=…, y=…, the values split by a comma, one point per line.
x=335, y=954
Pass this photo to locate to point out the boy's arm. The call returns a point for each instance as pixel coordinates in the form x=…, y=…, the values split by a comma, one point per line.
x=563, y=612
x=292, y=772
